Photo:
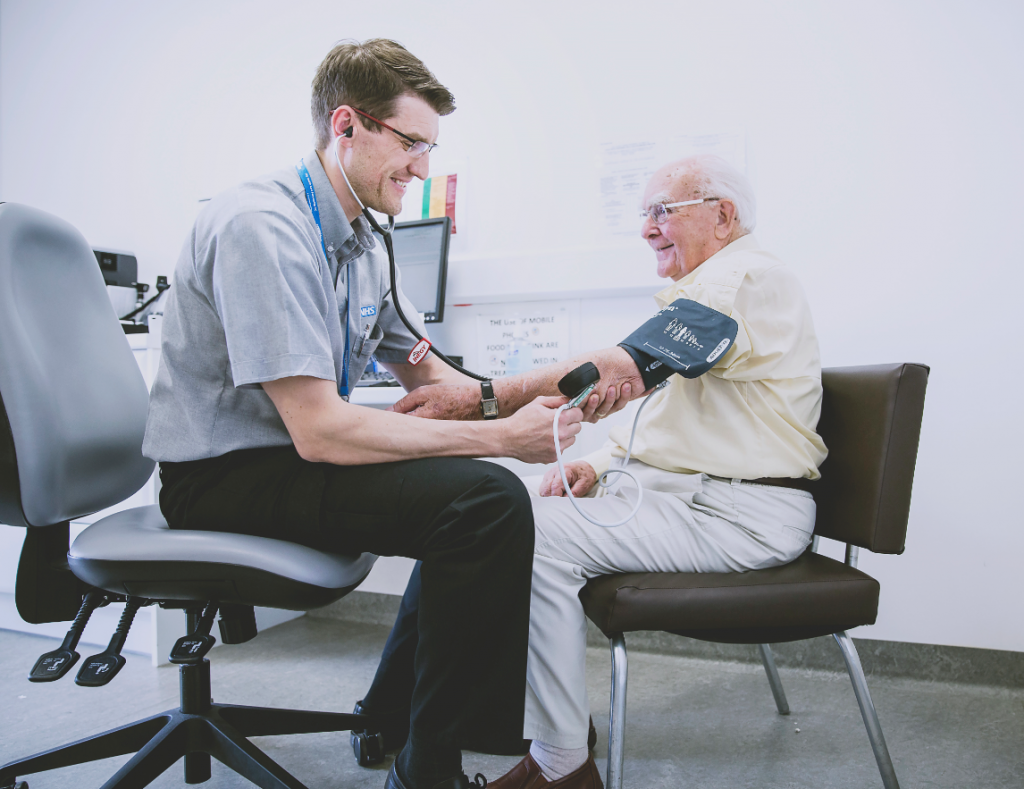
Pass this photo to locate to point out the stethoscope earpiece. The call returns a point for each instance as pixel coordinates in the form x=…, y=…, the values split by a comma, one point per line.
x=366, y=212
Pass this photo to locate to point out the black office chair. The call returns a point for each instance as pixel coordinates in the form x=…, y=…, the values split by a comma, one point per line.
x=871, y=423
x=72, y=416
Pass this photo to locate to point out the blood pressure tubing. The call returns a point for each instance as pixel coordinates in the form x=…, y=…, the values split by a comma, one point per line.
x=603, y=481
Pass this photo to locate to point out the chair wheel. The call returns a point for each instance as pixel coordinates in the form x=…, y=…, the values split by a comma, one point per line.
x=368, y=747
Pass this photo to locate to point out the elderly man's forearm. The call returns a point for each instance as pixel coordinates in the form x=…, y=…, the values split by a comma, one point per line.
x=615, y=365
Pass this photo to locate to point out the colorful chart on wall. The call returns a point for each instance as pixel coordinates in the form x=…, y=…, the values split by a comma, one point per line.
x=430, y=199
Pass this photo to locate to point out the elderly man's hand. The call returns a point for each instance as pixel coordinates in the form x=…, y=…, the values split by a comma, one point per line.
x=620, y=382
x=441, y=401
x=579, y=473
x=615, y=399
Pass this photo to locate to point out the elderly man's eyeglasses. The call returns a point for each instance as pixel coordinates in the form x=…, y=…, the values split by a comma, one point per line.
x=659, y=211
x=416, y=147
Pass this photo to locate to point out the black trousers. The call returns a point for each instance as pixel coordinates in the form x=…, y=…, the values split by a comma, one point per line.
x=468, y=522
x=395, y=679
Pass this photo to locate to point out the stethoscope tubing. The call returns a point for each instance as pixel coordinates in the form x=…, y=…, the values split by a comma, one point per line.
x=393, y=273
x=393, y=270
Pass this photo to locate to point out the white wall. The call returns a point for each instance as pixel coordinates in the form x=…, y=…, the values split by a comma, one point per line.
x=885, y=141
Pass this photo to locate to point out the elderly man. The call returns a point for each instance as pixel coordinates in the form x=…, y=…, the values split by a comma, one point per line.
x=721, y=457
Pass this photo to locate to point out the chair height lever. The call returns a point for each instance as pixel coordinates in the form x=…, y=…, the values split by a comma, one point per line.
x=54, y=665
x=100, y=669
x=191, y=649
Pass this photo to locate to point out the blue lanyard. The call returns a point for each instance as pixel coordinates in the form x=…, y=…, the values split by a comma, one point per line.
x=307, y=184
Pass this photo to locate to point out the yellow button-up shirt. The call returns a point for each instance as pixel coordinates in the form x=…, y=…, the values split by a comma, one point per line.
x=754, y=414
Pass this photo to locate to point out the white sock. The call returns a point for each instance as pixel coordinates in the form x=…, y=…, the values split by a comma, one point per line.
x=557, y=763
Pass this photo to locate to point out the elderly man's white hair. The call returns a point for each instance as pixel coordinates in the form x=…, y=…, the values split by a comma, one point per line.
x=713, y=176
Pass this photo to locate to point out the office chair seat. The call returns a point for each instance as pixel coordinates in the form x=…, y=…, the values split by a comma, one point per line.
x=134, y=552
x=812, y=596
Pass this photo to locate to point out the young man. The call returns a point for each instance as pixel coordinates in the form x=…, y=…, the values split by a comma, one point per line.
x=281, y=294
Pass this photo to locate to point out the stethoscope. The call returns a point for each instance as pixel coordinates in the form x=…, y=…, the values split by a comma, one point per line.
x=604, y=482
x=392, y=268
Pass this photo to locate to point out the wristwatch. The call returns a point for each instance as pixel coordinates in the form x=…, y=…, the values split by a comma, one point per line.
x=488, y=402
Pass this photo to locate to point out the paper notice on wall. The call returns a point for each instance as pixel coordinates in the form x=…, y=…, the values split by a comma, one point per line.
x=547, y=334
x=731, y=146
x=625, y=170
x=626, y=167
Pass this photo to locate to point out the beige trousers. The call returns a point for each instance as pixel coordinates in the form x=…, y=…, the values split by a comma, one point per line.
x=688, y=523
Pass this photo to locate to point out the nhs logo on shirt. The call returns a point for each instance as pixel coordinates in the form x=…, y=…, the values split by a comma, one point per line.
x=368, y=312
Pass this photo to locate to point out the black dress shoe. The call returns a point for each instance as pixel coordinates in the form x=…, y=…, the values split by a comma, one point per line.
x=458, y=782
x=388, y=733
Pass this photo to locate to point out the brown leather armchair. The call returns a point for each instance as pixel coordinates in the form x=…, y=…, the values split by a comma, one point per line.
x=871, y=422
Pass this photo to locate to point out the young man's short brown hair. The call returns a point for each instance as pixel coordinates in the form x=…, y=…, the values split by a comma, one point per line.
x=370, y=76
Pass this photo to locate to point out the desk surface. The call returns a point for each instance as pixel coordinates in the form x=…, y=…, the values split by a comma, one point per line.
x=377, y=396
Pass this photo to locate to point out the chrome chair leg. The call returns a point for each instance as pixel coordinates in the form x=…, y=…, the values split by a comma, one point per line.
x=773, y=679
x=617, y=712
x=867, y=709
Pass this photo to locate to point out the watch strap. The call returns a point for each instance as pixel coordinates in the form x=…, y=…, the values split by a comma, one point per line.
x=488, y=402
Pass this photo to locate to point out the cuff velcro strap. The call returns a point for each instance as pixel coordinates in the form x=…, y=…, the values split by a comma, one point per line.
x=685, y=337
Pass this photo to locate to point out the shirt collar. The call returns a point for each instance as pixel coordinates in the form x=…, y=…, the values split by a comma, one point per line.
x=741, y=244
x=345, y=241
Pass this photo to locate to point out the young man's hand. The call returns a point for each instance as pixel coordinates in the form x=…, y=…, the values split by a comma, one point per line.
x=442, y=401
x=528, y=433
x=579, y=473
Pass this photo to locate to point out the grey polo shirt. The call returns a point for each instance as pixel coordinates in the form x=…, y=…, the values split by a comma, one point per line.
x=254, y=300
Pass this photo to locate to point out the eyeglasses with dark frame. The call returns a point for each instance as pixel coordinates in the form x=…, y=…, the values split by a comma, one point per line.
x=416, y=147
x=659, y=211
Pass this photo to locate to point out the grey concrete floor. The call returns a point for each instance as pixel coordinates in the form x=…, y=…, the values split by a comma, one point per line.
x=691, y=723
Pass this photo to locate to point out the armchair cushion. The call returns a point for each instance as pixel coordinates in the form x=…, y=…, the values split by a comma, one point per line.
x=813, y=595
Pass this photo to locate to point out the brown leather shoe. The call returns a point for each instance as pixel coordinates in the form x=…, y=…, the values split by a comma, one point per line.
x=527, y=775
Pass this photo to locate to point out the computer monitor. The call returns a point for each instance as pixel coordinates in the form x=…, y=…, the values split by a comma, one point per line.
x=421, y=252
x=119, y=268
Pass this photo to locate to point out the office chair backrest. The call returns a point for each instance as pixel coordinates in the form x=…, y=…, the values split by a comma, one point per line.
x=871, y=423
x=72, y=399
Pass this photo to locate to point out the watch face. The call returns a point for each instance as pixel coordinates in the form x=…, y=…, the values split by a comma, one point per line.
x=490, y=408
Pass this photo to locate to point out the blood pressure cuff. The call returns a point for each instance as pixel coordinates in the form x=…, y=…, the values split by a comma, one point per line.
x=685, y=337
